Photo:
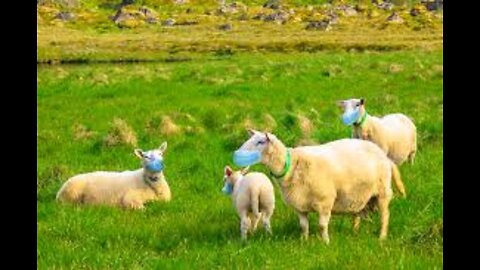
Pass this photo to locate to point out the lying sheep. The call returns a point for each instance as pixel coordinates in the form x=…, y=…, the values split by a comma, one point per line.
x=343, y=176
x=394, y=133
x=129, y=189
x=253, y=197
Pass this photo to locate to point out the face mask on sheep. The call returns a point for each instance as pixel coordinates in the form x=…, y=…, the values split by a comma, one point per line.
x=230, y=177
x=152, y=162
x=251, y=152
x=353, y=110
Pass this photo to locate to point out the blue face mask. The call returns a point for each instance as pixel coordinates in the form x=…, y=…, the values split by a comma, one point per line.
x=351, y=116
x=227, y=188
x=245, y=158
x=155, y=165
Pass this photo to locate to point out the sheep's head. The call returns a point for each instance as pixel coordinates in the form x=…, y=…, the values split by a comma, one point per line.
x=152, y=161
x=230, y=177
x=253, y=150
x=353, y=110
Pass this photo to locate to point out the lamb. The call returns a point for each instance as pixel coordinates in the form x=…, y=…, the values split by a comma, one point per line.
x=253, y=197
x=343, y=176
x=394, y=133
x=127, y=189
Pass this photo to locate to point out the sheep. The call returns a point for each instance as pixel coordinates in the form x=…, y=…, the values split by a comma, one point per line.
x=343, y=176
x=253, y=197
x=127, y=189
x=394, y=133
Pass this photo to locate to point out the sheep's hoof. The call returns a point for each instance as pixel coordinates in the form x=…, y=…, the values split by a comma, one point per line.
x=304, y=237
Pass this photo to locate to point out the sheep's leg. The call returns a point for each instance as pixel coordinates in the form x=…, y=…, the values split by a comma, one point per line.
x=255, y=219
x=383, y=203
x=131, y=200
x=411, y=158
x=356, y=222
x=244, y=224
x=303, y=217
x=254, y=197
x=266, y=215
x=324, y=219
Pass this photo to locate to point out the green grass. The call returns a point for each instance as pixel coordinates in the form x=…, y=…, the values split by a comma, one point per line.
x=199, y=228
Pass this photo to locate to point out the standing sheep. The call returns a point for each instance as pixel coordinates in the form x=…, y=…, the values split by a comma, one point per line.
x=343, y=176
x=129, y=189
x=253, y=197
x=395, y=133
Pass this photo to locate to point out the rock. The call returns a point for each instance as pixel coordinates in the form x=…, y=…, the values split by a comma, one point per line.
x=432, y=5
x=169, y=22
x=347, y=10
x=232, y=8
x=323, y=25
x=333, y=17
x=278, y=17
x=121, y=16
x=395, y=18
x=272, y=4
x=62, y=3
x=128, y=17
x=385, y=6
x=259, y=16
x=243, y=17
x=65, y=16
x=187, y=23
x=415, y=12
x=180, y=2
x=225, y=27
x=147, y=12
x=151, y=20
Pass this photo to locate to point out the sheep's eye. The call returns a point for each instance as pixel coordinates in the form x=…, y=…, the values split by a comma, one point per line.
x=260, y=142
x=358, y=105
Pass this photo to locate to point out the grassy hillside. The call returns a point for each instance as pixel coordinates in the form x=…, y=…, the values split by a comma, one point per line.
x=89, y=33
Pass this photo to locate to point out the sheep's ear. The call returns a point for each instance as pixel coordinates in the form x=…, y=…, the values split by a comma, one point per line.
x=245, y=170
x=267, y=136
x=163, y=147
x=139, y=153
x=341, y=103
x=362, y=101
x=228, y=171
x=250, y=131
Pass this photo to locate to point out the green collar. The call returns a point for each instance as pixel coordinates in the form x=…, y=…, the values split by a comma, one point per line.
x=362, y=119
x=286, y=168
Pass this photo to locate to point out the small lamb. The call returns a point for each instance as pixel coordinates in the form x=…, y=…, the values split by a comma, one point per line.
x=128, y=189
x=252, y=195
x=395, y=133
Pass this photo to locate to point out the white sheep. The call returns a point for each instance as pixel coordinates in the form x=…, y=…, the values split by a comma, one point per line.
x=343, y=176
x=253, y=197
x=129, y=189
x=394, y=133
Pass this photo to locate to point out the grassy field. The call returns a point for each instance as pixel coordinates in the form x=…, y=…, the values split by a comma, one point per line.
x=211, y=100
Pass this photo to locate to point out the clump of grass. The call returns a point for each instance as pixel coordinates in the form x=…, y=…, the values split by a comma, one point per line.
x=120, y=134
x=81, y=132
x=395, y=68
x=269, y=122
x=168, y=126
x=433, y=234
x=305, y=125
